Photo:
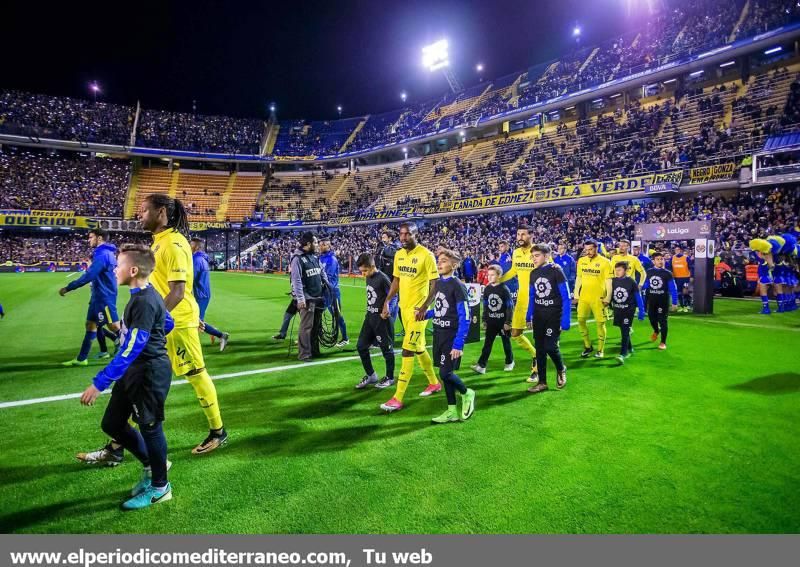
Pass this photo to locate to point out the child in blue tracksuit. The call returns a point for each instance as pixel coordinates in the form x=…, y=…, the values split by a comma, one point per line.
x=330, y=264
x=103, y=300
x=141, y=374
x=450, y=316
x=201, y=288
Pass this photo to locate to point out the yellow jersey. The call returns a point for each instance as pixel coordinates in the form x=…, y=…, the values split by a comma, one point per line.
x=415, y=270
x=521, y=266
x=592, y=275
x=634, y=265
x=174, y=264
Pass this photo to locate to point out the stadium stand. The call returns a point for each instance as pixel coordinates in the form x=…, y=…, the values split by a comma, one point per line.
x=62, y=181
x=64, y=118
x=201, y=133
x=209, y=196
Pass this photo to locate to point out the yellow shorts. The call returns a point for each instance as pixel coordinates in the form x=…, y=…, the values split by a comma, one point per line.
x=520, y=313
x=414, y=339
x=183, y=349
x=593, y=307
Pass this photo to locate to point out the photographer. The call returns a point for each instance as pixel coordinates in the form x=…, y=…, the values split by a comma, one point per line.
x=308, y=280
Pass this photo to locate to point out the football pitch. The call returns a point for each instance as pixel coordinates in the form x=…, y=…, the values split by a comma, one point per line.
x=703, y=437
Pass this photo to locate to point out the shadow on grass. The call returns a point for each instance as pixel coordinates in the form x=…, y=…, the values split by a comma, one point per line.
x=42, y=515
x=771, y=385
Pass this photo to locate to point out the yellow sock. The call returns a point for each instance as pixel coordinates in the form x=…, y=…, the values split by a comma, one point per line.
x=523, y=342
x=406, y=370
x=601, y=335
x=584, y=332
x=426, y=363
x=207, y=396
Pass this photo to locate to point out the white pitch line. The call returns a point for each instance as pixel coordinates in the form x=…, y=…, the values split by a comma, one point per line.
x=32, y=401
x=72, y=274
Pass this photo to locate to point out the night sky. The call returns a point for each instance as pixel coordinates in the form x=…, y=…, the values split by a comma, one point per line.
x=235, y=57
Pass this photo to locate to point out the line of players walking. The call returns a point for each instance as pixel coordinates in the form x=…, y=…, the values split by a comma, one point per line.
x=422, y=286
x=169, y=286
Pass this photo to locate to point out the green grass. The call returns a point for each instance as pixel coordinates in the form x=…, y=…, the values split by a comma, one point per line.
x=701, y=438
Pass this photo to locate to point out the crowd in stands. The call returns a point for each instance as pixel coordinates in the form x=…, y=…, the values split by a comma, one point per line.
x=738, y=218
x=674, y=29
x=198, y=132
x=26, y=247
x=63, y=118
x=63, y=181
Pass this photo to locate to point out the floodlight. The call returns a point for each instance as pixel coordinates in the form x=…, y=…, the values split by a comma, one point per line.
x=435, y=56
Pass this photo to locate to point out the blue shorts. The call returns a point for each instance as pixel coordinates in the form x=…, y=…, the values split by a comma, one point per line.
x=779, y=274
x=102, y=312
x=681, y=283
x=203, y=303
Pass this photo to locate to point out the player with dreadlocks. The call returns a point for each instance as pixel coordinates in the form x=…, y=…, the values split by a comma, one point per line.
x=173, y=277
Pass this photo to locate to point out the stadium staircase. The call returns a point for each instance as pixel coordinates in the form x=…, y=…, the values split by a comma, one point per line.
x=353, y=134
x=222, y=211
x=173, y=182
x=588, y=60
x=272, y=136
x=129, y=210
x=339, y=185
x=677, y=41
x=737, y=26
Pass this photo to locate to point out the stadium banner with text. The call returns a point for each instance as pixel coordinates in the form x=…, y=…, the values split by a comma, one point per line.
x=67, y=219
x=565, y=192
x=46, y=266
x=661, y=188
x=198, y=226
x=709, y=173
x=393, y=214
x=688, y=230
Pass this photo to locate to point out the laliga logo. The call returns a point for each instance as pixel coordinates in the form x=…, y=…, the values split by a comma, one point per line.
x=656, y=282
x=371, y=295
x=441, y=305
x=700, y=248
x=494, y=302
x=620, y=295
x=543, y=287
x=661, y=232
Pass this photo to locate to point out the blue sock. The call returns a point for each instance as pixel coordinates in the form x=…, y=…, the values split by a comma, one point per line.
x=86, y=346
x=765, y=301
x=212, y=331
x=1, y=310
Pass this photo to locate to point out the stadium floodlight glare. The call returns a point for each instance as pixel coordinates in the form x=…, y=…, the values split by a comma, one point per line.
x=272, y=107
x=435, y=56
x=479, y=67
x=727, y=64
x=576, y=31
x=403, y=96
x=95, y=88
x=772, y=50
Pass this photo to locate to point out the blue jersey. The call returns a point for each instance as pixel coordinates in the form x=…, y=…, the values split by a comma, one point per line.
x=505, y=262
x=100, y=275
x=645, y=260
x=331, y=266
x=567, y=264
x=202, y=279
